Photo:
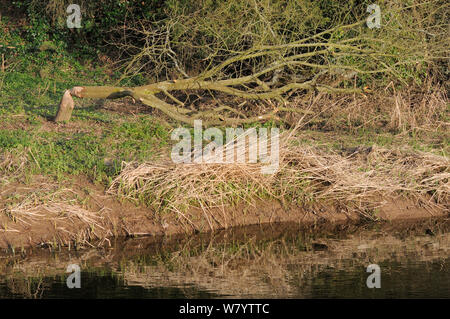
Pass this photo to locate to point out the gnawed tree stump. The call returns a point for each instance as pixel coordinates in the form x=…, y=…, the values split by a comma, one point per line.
x=65, y=106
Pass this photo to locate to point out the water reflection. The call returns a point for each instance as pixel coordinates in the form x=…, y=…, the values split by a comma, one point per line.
x=275, y=261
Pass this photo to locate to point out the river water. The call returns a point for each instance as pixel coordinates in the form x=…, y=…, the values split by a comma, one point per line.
x=265, y=261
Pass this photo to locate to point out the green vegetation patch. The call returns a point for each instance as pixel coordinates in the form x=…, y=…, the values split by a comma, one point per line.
x=97, y=156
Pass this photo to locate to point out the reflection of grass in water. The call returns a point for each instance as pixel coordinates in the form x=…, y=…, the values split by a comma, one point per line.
x=286, y=266
x=277, y=268
x=229, y=268
x=21, y=286
x=95, y=283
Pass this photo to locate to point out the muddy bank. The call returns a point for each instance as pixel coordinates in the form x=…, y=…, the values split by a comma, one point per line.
x=62, y=224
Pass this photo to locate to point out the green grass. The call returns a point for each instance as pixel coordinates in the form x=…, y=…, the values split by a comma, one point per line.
x=59, y=151
x=54, y=153
x=95, y=141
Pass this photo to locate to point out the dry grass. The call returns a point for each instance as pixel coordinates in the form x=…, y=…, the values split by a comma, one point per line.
x=12, y=164
x=416, y=108
x=36, y=207
x=363, y=180
x=53, y=207
x=422, y=110
x=416, y=173
x=368, y=179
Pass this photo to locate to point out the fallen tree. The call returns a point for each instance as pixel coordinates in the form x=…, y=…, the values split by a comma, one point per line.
x=339, y=53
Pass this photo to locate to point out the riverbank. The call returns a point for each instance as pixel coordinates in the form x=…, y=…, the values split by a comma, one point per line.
x=85, y=182
x=53, y=216
x=108, y=173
